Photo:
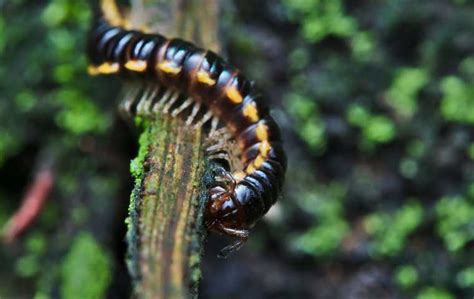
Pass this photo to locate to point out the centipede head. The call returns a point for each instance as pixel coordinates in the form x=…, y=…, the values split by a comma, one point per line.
x=221, y=208
x=223, y=214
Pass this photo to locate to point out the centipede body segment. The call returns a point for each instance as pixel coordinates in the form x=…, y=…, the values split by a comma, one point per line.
x=178, y=78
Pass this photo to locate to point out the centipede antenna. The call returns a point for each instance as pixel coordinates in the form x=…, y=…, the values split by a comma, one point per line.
x=170, y=103
x=184, y=105
x=193, y=114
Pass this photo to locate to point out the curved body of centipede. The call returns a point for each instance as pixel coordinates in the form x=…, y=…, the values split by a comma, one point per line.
x=199, y=80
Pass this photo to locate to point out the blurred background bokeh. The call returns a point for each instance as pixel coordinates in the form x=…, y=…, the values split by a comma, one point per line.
x=376, y=102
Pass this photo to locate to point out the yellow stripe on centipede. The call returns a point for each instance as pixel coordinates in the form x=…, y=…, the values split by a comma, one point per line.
x=250, y=111
x=136, y=65
x=234, y=95
x=108, y=68
x=169, y=68
x=204, y=77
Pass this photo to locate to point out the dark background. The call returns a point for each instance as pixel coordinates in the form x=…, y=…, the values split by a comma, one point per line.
x=376, y=102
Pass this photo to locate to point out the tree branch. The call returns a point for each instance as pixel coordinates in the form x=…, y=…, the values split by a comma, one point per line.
x=165, y=227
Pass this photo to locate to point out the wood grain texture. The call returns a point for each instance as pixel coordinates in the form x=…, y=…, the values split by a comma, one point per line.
x=168, y=211
x=165, y=227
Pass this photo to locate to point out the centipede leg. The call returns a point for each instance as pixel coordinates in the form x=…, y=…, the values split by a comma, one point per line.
x=220, y=147
x=142, y=99
x=162, y=101
x=241, y=235
x=204, y=119
x=193, y=114
x=221, y=139
x=149, y=104
x=225, y=177
x=146, y=99
x=145, y=103
x=215, y=123
x=170, y=103
x=215, y=148
x=220, y=134
x=129, y=97
x=188, y=102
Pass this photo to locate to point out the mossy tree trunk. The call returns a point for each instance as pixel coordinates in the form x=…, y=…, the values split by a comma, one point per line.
x=165, y=224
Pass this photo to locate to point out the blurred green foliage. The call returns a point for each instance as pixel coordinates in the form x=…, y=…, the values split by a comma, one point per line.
x=324, y=203
x=321, y=18
x=434, y=293
x=382, y=95
x=378, y=108
x=375, y=128
x=44, y=44
x=455, y=221
x=465, y=278
x=406, y=276
x=311, y=127
x=86, y=265
x=29, y=264
x=51, y=115
x=390, y=231
x=402, y=95
x=79, y=115
x=458, y=100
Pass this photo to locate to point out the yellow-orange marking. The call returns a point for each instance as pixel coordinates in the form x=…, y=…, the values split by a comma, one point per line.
x=258, y=161
x=204, y=77
x=264, y=148
x=108, y=68
x=262, y=132
x=112, y=12
x=250, y=111
x=136, y=65
x=127, y=24
x=250, y=169
x=234, y=95
x=169, y=68
x=92, y=70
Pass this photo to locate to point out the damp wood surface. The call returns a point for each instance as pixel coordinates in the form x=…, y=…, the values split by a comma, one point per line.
x=165, y=227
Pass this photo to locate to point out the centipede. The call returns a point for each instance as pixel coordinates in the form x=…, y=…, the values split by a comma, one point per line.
x=184, y=80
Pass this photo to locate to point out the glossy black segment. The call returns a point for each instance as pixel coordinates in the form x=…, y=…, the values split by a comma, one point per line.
x=119, y=51
x=264, y=186
x=250, y=201
x=269, y=184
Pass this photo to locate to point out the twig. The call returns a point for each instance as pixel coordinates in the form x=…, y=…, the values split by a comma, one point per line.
x=31, y=206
